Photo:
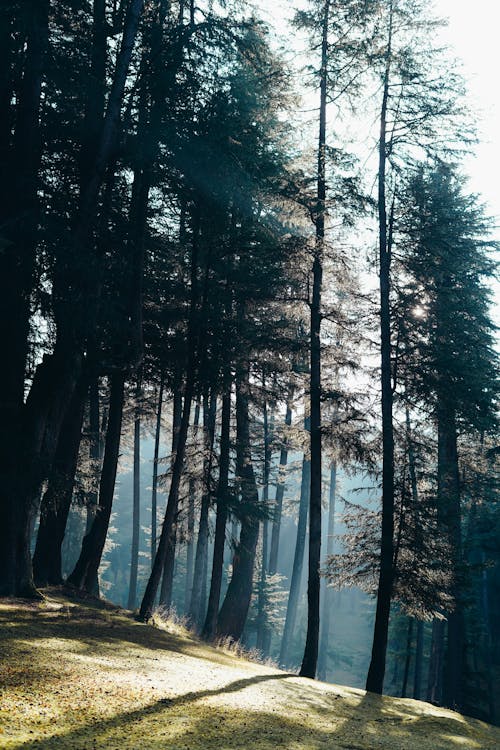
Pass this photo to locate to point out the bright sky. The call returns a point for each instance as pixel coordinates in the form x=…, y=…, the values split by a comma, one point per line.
x=473, y=33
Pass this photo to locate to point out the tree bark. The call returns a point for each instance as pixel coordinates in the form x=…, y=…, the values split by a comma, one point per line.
x=190, y=526
x=234, y=610
x=280, y=493
x=136, y=502
x=56, y=501
x=328, y=591
x=298, y=561
x=376, y=672
x=419, y=658
x=196, y=607
x=263, y=630
x=154, y=490
x=168, y=568
x=406, y=673
x=87, y=566
x=210, y=626
x=310, y=658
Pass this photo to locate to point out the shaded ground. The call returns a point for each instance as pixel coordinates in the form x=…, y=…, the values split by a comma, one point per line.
x=73, y=675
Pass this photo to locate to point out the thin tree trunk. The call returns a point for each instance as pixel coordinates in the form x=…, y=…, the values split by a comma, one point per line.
x=435, y=676
x=96, y=452
x=298, y=561
x=136, y=502
x=280, y=493
x=196, y=607
x=449, y=501
x=409, y=643
x=87, y=566
x=376, y=672
x=263, y=630
x=310, y=658
x=154, y=490
x=190, y=526
x=168, y=568
x=419, y=658
x=328, y=591
x=210, y=626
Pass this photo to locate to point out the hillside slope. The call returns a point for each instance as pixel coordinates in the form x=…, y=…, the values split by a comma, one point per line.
x=74, y=675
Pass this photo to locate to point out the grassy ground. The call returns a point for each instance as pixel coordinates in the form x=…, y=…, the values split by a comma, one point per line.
x=78, y=676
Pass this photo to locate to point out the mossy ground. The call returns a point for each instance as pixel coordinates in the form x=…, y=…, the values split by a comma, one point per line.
x=80, y=676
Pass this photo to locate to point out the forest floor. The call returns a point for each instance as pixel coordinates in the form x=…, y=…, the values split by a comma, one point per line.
x=74, y=674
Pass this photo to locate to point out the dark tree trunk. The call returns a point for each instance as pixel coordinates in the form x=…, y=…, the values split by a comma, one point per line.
x=419, y=658
x=409, y=643
x=278, y=503
x=154, y=490
x=450, y=510
x=376, y=672
x=196, y=607
x=234, y=610
x=310, y=658
x=328, y=591
x=56, y=501
x=136, y=503
x=87, y=566
x=298, y=561
x=263, y=629
x=190, y=526
x=167, y=580
x=96, y=452
x=210, y=626
x=435, y=676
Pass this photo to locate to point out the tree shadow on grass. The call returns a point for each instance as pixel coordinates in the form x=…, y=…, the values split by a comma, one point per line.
x=167, y=707
x=370, y=724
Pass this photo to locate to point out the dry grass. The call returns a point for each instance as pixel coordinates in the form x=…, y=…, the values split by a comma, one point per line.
x=77, y=676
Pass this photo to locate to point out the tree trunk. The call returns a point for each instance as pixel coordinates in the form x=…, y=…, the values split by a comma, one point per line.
x=409, y=643
x=449, y=502
x=168, y=568
x=210, y=626
x=196, y=607
x=190, y=526
x=263, y=630
x=298, y=561
x=280, y=493
x=376, y=672
x=234, y=610
x=96, y=452
x=419, y=658
x=310, y=658
x=435, y=676
x=136, y=501
x=154, y=491
x=87, y=566
x=328, y=591
x=56, y=501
